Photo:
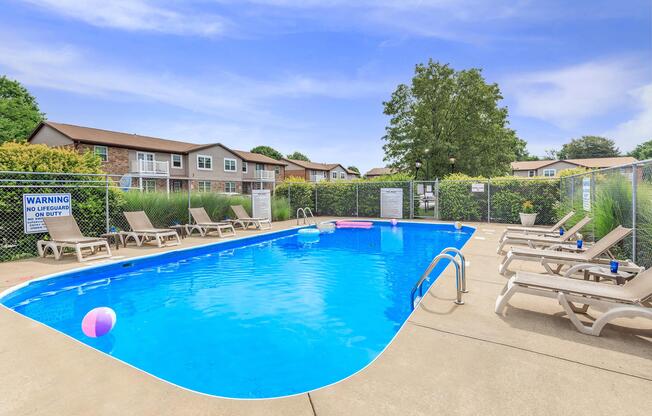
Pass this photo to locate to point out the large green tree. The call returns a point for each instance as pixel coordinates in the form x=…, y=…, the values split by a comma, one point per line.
x=298, y=156
x=588, y=147
x=354, y=169
x=268, y=151
x=19, y=112
x=643, y=151
x=446, y=114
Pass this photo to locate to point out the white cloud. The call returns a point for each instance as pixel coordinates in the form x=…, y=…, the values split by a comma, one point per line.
x=136, y=15
x=568, y=96
x=639, y=128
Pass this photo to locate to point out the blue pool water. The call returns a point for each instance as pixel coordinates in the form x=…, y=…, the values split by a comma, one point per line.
x=266, y=316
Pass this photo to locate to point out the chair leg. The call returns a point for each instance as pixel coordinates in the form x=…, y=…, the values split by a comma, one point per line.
x=78, y=251
x=505, y=295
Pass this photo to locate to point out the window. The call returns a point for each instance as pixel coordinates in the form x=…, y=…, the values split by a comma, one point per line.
x=245, y=167
x=177, y=161
x=549, y=172
x=102, y=152
x=204, y=186
x=229, y=187
x=342, y=175
x=204, y=162
x=277, y=170
x=532, y=173
x=176, y=186
x=149, y=185
x=333, y=175
x=260, y=166
x=230, y=165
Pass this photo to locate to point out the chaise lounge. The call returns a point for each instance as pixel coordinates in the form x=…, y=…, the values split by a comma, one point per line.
x=627, y=301
x=205, y=225
x=65, y=234
x=245, y=221
x=541, y=241
x=143, y=231
x=540, y=230
x=564, y=257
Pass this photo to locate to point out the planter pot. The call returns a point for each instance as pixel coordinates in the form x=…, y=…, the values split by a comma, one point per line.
x=527, y=220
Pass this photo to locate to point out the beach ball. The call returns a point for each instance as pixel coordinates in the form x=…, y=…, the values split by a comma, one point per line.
x=458, y=225
x=98, y=322
x=393, y=221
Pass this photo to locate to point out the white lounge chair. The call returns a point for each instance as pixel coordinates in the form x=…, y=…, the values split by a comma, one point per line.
x=541, y=241
x=627, y=301
x=143, y=231
x=540, y=230
x=245, y=221
x=65, y=233
x=560, y=258
x=205, y=225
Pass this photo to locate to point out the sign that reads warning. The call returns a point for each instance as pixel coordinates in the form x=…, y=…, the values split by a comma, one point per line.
x=38, y=206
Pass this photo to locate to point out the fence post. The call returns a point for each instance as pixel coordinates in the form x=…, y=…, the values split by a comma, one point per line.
x=316, y=210
x=634, y=209
x=189, y=194
x=106, y=202
x=357, y=199
x=489, y=200
x=436, y=211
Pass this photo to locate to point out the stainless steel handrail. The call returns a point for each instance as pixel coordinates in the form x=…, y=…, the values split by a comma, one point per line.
x=460, y=275
x=300, y=210
x=305, y=211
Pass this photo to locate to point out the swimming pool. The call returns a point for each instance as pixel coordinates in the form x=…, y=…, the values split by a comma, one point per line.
x=264, y=316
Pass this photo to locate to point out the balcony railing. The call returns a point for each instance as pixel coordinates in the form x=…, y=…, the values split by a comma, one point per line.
x=264, y=175
x=150, y=167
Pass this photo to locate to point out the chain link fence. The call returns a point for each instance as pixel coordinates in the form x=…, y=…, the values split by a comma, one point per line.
x=611, y=197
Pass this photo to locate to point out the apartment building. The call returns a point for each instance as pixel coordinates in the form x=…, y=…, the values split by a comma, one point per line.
x=551, y=168
x=155, y=164
x=317, y=172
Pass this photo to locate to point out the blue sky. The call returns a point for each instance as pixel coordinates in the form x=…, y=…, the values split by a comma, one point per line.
x=311, y=75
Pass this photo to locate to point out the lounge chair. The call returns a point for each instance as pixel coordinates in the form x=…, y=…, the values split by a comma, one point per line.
x=244, y=220
x=627, y=301
x=142, y=231
x=65, y=233
x=563, y=257
x=540, y=230
x=541, y=241
x=205, y=225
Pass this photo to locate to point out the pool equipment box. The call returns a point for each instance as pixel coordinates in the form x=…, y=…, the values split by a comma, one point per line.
x=391, y=202
x=261, y=203
x=38, y=206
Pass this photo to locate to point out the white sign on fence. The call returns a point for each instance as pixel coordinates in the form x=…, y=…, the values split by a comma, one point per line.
x=477, y=187
x=38, y=206
x=586, y=194
x=261, y=203
x=391, y=202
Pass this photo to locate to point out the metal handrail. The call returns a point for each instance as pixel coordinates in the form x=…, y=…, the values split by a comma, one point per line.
x=462, y=264
x=460, y=275
x=305, y=211
x=299, y=210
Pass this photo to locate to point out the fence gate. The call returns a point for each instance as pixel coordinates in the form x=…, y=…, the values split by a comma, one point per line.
x=426, y=199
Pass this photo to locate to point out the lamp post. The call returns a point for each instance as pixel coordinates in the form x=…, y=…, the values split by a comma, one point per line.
x=426, y=152
x=417, y=166
x=451, y=160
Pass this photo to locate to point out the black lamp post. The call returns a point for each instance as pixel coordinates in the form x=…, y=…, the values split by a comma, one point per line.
x=451, y=160
x=417, y=166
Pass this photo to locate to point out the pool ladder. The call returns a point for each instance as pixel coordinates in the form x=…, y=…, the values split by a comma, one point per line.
x=460, y=275
x=305, y=211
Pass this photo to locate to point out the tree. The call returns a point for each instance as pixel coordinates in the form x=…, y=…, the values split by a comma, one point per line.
x=588, y=147
x=354, y=169
x=446, y=114
x=268, y=151
x=298, y=156
x=642, y=151
x=551, y=154
x=19, y=112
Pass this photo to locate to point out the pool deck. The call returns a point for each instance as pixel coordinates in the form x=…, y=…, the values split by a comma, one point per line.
x=447, y=359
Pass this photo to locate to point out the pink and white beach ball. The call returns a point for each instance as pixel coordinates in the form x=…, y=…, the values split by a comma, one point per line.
x=98, y=322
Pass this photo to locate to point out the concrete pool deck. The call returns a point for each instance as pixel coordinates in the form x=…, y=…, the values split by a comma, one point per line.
x=447, y=359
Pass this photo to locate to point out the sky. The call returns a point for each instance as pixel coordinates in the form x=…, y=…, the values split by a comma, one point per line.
x=312, y=75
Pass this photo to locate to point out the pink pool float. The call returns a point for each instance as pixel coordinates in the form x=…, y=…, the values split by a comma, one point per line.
x=354, y=224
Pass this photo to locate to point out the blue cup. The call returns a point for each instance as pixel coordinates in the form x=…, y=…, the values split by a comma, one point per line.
x=580, y=243
x=561, y=231
x=614, y=266
x=112, y=229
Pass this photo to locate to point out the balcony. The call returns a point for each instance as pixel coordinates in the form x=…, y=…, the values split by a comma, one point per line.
x=265, y=175
x=150, y=167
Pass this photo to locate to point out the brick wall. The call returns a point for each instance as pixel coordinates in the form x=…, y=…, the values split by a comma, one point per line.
x=118, y=163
